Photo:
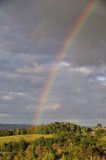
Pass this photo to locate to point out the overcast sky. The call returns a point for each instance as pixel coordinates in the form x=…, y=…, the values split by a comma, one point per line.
x=31, y=33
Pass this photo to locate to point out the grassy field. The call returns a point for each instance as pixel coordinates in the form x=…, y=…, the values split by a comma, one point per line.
x=17, y=138
x=103, y=139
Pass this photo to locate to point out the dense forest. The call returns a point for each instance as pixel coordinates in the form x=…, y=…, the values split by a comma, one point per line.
x=69, y=142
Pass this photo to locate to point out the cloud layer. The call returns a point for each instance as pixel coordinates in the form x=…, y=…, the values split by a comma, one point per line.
x=31, y=35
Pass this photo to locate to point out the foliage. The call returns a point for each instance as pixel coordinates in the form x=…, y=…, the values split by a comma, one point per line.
x=68, y=142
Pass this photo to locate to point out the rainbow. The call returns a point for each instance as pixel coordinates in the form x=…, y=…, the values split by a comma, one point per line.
x=68, y=42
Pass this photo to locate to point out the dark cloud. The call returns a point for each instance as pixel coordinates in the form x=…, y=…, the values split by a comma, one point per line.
x=40, y=27
x=104, y=1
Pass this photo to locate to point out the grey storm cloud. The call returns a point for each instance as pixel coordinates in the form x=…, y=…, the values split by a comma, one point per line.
x=31, y=35
x=41, y=27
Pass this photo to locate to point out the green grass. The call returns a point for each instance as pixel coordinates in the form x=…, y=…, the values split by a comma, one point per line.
x=17, y=138
x=103, y=139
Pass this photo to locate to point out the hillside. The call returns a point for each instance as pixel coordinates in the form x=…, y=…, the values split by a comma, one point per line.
x=54, y=141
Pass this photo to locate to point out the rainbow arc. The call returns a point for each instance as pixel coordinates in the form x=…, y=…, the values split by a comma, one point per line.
x=68, y=43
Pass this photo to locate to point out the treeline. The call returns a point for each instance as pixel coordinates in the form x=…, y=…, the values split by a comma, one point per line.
x=52, y=128
x=14, y=131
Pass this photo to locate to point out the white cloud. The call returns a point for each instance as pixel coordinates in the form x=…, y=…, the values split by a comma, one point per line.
x=101, y=78
x=64, y=64
x=83, y=70
x=7, y=97
x=33, y=69
x=103, y=84
x=20, y=94
x=12, y=95
x=53, y=107
x=5, y=115
x=16, y=93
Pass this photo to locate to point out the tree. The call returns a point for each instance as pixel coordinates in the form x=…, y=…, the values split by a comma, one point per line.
x=22, y=145
x=49, y=156
x=99, y=125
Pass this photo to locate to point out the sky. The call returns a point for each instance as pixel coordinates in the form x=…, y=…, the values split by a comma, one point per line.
x=31, y=34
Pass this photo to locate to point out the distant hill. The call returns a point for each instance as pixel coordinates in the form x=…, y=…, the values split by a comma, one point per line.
x=10, y=126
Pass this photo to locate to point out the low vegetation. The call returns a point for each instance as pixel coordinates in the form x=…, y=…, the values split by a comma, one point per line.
x=18, y=138
x=66, y=141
